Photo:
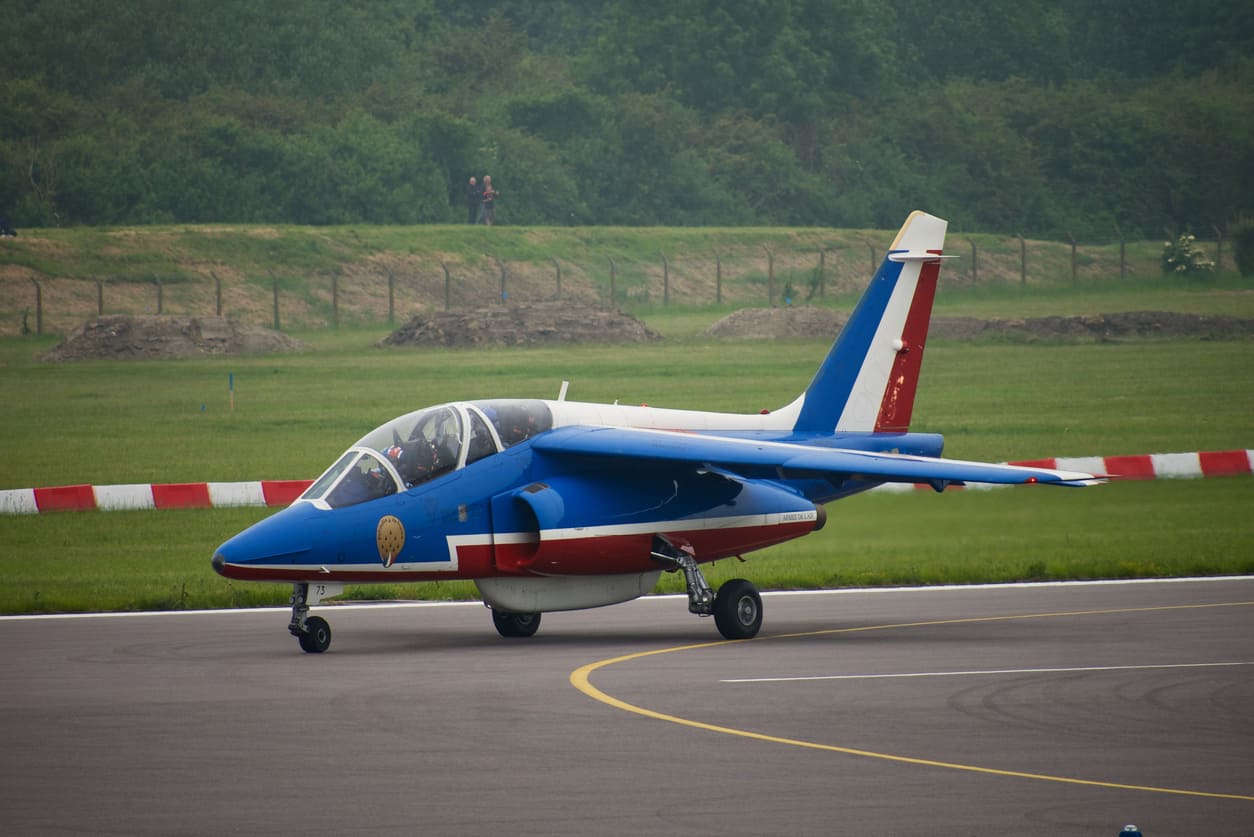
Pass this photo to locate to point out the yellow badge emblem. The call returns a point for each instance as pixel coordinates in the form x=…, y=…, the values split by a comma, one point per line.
x=390, y=537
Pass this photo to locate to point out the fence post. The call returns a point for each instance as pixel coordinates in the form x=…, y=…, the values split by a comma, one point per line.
x=718, y=278
x=274, y=284
x=39, y=307
x=666, y=280
x=612, y=278
x=874, y=261
x=1123, y=253
x=217, y=292
x=770, y=278
x=335, y=299
x=99, y=298
x=1074, y=259
x=975, y=262
x=504, y=293
x=448, y=285
x=822, y=271
x=160, y=294
x=391, y=297
x=1219, y=248
x=558, y=266
x=1023, y=260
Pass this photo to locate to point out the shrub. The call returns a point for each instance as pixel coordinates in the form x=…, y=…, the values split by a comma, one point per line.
x=1241, y=233
x=1184, y=256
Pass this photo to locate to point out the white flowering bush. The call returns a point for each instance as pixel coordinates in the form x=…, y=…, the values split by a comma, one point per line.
x=1184, y=256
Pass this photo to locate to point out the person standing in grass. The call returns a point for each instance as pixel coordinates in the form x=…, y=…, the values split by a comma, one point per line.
x=487, y=214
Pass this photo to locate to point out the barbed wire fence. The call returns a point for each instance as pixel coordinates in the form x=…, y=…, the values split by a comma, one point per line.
x=748, y=277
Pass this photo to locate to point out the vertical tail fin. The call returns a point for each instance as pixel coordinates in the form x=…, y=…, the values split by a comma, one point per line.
x=868, y=380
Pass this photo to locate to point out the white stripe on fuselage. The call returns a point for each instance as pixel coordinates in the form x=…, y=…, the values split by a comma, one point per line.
x=661, y=418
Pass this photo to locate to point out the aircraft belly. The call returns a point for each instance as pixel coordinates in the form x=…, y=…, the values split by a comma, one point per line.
x=540, y=594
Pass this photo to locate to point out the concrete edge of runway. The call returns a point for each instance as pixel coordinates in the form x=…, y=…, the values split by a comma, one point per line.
x=666, y=597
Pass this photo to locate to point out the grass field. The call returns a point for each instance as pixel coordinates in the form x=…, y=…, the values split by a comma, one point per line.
x=120, y=422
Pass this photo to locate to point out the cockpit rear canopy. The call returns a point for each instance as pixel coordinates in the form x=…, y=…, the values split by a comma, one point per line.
x=420, y=446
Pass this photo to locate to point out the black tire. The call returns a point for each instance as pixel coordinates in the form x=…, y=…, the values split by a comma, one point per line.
x=515, y=624
x=317, y=635
x=738, y=610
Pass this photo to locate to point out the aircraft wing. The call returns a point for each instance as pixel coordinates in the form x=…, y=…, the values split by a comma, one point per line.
x=783, y=460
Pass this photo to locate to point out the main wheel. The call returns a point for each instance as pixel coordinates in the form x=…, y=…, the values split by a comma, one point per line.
x=317, y=635
x=515, y=624
x=738, y=610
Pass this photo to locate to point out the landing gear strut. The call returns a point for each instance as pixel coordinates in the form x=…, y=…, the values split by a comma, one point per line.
x=313, y=632
x=737, y=609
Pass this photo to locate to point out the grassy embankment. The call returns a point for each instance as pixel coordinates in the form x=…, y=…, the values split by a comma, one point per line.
x=307, y=262
x=115, y=422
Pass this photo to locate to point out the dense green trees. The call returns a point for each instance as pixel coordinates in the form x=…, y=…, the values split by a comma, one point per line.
x=1037, y=116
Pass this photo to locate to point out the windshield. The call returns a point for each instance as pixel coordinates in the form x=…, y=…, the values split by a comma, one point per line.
x=424, y=444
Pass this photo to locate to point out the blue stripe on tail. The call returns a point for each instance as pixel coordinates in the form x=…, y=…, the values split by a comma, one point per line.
x=828, y=393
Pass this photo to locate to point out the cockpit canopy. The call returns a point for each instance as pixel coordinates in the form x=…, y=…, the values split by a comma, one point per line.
x=425, y=444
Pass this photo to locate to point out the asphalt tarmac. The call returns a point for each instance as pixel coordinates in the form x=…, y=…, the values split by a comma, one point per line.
x=1056, y=709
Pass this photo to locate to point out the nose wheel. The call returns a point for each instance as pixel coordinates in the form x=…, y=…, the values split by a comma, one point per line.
x=312, y=632
x=317, y=635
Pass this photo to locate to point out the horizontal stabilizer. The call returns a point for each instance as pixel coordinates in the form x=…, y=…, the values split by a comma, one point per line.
x=917, y=257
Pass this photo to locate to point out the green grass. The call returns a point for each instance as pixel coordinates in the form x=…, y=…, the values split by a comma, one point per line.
x=141, y=421
x=145, y=421
x=160, y=560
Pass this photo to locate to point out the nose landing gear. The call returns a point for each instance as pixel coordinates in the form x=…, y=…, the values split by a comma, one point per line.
x=312, y=632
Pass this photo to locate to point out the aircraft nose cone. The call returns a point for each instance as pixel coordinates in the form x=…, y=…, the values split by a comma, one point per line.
x=219, y=563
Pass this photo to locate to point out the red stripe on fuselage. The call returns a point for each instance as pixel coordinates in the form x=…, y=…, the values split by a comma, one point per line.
x=898, y=404
x=604, y=555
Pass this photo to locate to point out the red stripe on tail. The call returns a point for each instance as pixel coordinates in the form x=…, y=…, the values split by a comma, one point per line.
x=898, y=404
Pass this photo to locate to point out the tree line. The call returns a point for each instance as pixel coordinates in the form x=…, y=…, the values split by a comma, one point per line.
x=1045, y=117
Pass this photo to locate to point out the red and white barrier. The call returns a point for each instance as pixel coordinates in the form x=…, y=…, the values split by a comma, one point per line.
x=183, y=495
x=1147, y=466
x=204, y=495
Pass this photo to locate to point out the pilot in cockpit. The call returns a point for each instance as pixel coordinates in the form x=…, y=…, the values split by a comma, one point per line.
x=432, y=448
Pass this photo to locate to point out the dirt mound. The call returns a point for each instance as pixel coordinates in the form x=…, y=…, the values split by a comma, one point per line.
x=528, y=324
x=1129, y=324
x=777, y=324
x=785, y=323
x=123, y=336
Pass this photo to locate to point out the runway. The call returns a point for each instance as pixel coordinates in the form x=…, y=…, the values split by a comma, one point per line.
x=1067, y=709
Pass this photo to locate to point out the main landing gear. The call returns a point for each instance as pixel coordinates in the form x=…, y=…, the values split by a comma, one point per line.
x=511, y=625
x=737, y=608
x=312, y=632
